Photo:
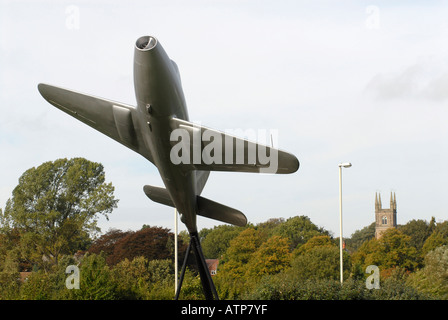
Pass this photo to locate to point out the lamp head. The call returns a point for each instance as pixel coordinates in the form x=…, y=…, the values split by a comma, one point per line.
x=345, y=165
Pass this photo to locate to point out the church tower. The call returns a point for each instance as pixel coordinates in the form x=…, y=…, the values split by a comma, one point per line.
x=385, y=218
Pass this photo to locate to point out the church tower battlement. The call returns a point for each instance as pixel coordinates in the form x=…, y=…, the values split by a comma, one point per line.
x=385, y=218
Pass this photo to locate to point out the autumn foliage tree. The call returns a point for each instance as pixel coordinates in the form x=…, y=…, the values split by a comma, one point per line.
x=240, y=251
x=149, y=242
x=271, y=257
x=106, y=243
x=392, y=250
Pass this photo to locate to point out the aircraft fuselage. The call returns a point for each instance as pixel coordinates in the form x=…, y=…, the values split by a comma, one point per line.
x=160, y=98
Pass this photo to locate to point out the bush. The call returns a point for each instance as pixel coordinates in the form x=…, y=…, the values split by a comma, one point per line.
x=9, y=285
x=433, y=278
x=143, y=279
x=287, y=286
x=95, y=280
x=37, y=287
x=320, y=263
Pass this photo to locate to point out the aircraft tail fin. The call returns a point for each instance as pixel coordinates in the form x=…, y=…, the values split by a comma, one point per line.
x=206, y=208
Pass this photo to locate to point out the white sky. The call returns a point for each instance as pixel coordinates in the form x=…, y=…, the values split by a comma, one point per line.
x=358, y=81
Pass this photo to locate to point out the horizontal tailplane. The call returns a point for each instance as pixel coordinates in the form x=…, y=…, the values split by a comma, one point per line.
x=214, y=210
x=206, y=208
x=159, y=195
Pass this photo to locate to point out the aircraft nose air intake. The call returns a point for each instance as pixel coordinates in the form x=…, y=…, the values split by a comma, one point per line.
x=146, y=43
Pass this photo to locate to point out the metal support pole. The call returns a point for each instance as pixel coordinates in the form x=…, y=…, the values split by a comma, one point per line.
x=345, y=165
x=176, y=252
x=207, y=283
x=340, y=223
x=182, y=273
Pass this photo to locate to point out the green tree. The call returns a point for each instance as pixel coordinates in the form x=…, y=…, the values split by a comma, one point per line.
x=143, y=279
x=319, y=261
x=438, y=238
x=96, y=280
x=10, y=260
x=267, y=227
x=9, y=285
x=298, y=230
x=55, y=208
x=419, y=231
x=433, y=278
x=360, y=236
x=38, y=286
x=398, y=250
x=131, y=278
x=217, y=240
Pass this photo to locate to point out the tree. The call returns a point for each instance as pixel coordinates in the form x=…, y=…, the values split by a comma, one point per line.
x=240, y=251
x=320, y=262
x=360, y=236
x=433, y=278
x=398, y=250
x=267, y=227
x=135, y=279
x=319, y=258
x=271, y=257
x=419, y=231
x=438, y=238
x=149, y=242
x=55, y=208
x=298, y=230
x=217, y=240
x=96, y=280
x=392, y=250
x=368, y=254
x=316, y=241
x=107, y=242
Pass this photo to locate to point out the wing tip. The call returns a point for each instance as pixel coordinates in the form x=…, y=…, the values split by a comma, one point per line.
x=44, y=89
x=296, y=165
x=41, y=88
x=287, y=164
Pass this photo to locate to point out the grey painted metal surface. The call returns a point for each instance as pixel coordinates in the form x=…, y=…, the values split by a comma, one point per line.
x=149, y=129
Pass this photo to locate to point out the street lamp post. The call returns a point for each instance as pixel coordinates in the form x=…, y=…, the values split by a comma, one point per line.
x=175, y=250
x=345, y=165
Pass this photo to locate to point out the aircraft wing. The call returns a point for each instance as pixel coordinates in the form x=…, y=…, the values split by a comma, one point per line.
x=212, y=150
x=114, y=119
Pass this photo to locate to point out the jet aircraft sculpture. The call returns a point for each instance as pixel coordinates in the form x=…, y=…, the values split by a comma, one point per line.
x=183, y=152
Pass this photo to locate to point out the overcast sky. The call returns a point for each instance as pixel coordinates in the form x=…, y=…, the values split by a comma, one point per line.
x=358, y=81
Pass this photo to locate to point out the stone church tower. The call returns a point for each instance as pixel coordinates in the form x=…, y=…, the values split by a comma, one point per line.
x=385, y=218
